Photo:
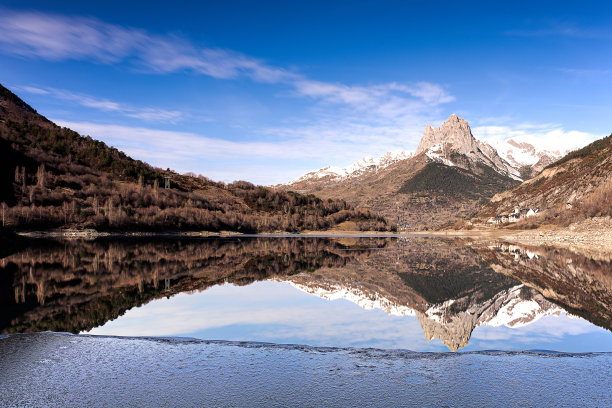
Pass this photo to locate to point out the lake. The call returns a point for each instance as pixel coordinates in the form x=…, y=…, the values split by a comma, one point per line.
x=309, y=321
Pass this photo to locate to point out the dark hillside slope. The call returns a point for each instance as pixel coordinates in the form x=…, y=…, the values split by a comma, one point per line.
x=52, y=177
x=437, y=178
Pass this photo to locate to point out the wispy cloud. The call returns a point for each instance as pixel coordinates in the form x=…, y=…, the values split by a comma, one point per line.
x=105, y=105
x=589, y=74
x=386, y=101
x=57, y=37
x=301, y=143
x=345, y=122
x=255, y=310
x=264, y=162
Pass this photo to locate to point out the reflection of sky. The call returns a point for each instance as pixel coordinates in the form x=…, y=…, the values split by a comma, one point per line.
x=279, y=313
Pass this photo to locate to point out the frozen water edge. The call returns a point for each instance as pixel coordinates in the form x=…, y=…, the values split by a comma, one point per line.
x=52, y=369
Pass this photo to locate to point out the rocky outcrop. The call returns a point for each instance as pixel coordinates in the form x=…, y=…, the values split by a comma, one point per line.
x=376, y=184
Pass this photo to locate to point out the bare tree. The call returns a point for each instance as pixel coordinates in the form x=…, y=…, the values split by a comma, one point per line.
x=40, y=176
x=3, y=208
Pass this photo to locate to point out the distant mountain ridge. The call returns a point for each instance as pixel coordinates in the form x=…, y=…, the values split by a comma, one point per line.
x=519, y=154
x=356, y=169
x=506, y=157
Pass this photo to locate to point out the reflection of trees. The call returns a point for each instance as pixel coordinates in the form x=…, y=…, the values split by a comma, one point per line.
x=581, y=285
x=75, y=285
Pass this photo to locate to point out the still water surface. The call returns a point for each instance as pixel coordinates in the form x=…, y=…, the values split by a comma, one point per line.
x=416, y=294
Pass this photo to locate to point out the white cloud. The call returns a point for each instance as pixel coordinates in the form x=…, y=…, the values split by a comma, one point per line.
x=325, y=143
x=56, y=37
x=255, y=308
x=105, y=105
x=176, y=145
x=388, y=101
x=550, y=137
x=34, y=90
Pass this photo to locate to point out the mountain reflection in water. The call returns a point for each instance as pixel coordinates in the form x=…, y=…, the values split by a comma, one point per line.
x=451, y=286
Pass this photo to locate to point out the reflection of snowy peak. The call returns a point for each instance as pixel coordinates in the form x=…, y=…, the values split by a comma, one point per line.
x=357, y=296
x=369, y=163
x=517, y=311
x=515, y=307
x=454, y=320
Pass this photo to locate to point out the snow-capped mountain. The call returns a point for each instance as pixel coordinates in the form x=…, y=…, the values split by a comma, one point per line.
x=368, y=163
x=414, y=190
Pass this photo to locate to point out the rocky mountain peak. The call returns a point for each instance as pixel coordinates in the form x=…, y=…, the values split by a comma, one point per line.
x=455, y=136
x=455, y=133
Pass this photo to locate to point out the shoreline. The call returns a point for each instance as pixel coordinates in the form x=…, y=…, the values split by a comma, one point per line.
x=593, y=234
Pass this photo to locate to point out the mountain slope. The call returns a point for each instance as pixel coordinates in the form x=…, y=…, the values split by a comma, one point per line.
x=362, y=167
x=53, y=177
x=577, y=186
x=525, y=157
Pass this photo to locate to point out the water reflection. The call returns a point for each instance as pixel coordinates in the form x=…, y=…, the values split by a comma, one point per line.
x=442, y=288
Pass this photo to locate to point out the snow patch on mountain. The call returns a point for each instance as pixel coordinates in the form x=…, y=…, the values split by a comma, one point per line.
x=520, y=154
x=436, y=154
x=518, y=312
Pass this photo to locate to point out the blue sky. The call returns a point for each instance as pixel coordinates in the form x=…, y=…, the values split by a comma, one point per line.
x=265, y=91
